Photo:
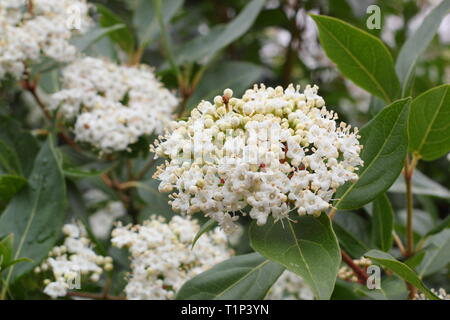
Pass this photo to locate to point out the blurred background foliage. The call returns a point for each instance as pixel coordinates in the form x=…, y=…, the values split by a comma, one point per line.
x=211, y=45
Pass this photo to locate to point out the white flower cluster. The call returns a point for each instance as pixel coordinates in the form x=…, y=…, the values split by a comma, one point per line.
x=103, y=219
x=162, y=257
x=441, y=293
x=274, y=150
x=105, y=212
x=74, y=259
x=347, y=274
x=30, y=29
x=289, y=286
x=112, y=105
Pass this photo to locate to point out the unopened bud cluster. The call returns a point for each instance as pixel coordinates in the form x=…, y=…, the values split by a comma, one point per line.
x=75, y=258
x=275, y=150
x=346, y=273
x=112, y=106
x=441, y=293
x=32, y=29
x=162, y=257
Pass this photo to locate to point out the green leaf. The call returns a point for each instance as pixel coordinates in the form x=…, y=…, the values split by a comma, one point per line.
x=215, y=41
x=35, y=216
x=6, y=250
x=415, y=260
x=308, y=247
x=9, y=160
x=9, y=186
x=429, y=123
x=382, y=223
x=401, y=269
x=417, y=43
x=145, y=21
x=349, y=242
x=245, y=277
x=206, y=227
x=437, y=254
x=393, y=288
x=361, y=57
x=239, y=26
x=237, y=76
x=421, y=185
x=87, y=40
x=385, y=145
x=443, y=224
x=123, y=36
x=21, y=141
x=197, y=49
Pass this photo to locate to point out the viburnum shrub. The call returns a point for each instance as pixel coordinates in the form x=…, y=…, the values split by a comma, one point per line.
x=154, y=150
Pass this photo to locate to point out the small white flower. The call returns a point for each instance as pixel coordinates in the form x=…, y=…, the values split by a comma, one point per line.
x=72, y=260
x=162, y=259
x=112, y=106
x=27, y=33
x=274, y=150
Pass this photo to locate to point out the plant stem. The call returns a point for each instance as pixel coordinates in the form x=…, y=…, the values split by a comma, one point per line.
x=31, y=88
x=399, y=243
x=145, y=170
x=408, y=172
x=331, y=213
x=359, y=272
x=408, y=175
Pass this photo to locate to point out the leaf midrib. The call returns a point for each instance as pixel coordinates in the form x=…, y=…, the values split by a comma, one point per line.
x=438, y=110
x=259, y=266
x=303, y=258
x=374, y=80
x=24, y=236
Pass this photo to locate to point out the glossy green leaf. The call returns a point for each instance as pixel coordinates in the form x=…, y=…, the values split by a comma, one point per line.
x=361, y=57
x=23, y=144
x=392, y=288
x=145, y=21
x=9, y=186
x=350, y=242
x=429, y=123
x=9, y=161
x=417, y=43
x=382, y=223
x=197, y=50
x=202, y=48
x=206, y=227
x=401, y=269
x=36, y=214
x=247, y=277
x=385, y=145
x=308, y=247
x=157, y=201
x=237, y=76
x=415, y=260
x=437, y=254
x=6, y=250
x=443, y=224
x=87, y=40
x=123, y=37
